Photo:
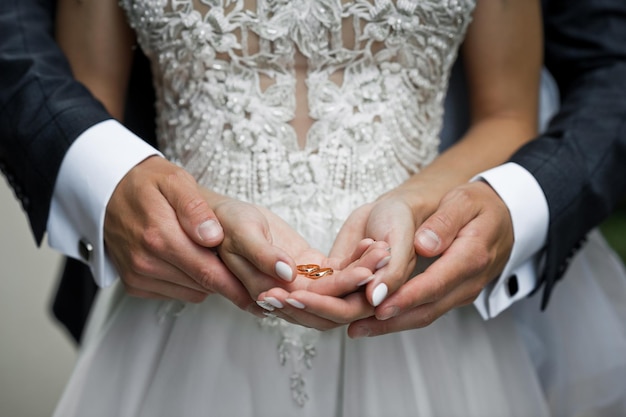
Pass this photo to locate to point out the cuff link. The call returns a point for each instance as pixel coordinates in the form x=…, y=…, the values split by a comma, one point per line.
x=512, y=285
x=85, y=249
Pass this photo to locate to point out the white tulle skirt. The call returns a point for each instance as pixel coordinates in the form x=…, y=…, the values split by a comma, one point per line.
x=148, y=358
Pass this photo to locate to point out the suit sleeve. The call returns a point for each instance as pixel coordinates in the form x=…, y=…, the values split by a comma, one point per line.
x=580, y=161
x=42, y=108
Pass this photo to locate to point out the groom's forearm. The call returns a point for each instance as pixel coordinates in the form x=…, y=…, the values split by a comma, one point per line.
x=579, y=161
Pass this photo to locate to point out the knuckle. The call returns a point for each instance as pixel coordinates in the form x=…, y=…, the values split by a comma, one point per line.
x=139, y=265
x=460, y=195
x=483, y=259
x=440, y=220
x=153, y=240
x=195, y=206
x=206, y=278
x=439, y=288
x=178, y=175
x=343, y=318
x=381, y=328
x=428, y=317
x=249, y=223
x=196, y=297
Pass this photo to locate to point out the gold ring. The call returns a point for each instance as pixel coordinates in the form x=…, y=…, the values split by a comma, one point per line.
x=307, y=269
x=320, y=273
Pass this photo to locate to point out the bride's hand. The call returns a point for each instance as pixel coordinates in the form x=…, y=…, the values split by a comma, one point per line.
x=263, y=251
x=392, y=222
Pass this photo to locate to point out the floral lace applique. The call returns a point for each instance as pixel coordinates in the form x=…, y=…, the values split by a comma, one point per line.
x=296, y=348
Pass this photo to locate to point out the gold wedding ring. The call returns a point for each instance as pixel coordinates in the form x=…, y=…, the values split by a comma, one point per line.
x=313, y=271
x=320, y=273
x=307, y=269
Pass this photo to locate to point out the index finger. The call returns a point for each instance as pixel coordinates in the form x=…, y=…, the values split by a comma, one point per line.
x=463, y=260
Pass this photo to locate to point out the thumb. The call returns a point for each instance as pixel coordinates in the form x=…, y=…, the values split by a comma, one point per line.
x=439, y=230
x=192, y=210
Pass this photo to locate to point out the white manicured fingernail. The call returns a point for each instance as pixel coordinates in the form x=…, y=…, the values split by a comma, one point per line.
x=368, y=241
x=274, y=302
x=295, y=303
x=428, y=239
x=283, y=271
x=379, y=294
x=383, y=262
x=265, y=305
x=366, y=280
x=209, y=230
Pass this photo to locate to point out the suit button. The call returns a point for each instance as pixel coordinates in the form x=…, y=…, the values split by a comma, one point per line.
x=85, y=249
x=512, y=285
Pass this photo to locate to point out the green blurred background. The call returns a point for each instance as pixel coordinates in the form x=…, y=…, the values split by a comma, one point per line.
x=614, y=230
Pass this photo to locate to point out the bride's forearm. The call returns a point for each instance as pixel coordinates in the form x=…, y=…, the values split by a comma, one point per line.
x=502, y=61
x=488, y=143
x=97, y=42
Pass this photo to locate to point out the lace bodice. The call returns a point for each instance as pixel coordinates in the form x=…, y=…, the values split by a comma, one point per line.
x=374, y=73
x=376, y=76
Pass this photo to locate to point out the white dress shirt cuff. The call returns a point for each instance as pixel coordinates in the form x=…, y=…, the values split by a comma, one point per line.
x=93, y=166
x=528, y=207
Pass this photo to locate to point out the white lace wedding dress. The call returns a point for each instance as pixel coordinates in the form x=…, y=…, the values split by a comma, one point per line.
x=225, y=79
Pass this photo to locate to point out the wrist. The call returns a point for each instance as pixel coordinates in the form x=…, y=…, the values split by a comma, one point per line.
x=422, y=197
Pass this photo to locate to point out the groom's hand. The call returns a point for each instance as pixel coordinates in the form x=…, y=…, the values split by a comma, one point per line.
x=472, y=233
x=158, y=231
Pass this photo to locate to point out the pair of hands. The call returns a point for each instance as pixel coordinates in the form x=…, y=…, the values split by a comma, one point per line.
x=162, y=234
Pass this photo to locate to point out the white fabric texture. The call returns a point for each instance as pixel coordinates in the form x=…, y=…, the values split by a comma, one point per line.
x=93, y=166
x=215, y=360
x=153, y=358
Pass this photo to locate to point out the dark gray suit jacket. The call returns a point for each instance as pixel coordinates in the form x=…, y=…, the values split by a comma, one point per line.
x=42, y=111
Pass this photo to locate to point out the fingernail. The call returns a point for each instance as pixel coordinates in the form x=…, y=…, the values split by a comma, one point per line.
x=368, y=241
x=274, y=302
x=383, y=262
x=209, y=230
x=366, y=280
x=265, y=305
x=284, y=271
x=361, y=331
x=379, y=294
x=295, y=303
x=388, y=313
x=428, y=239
